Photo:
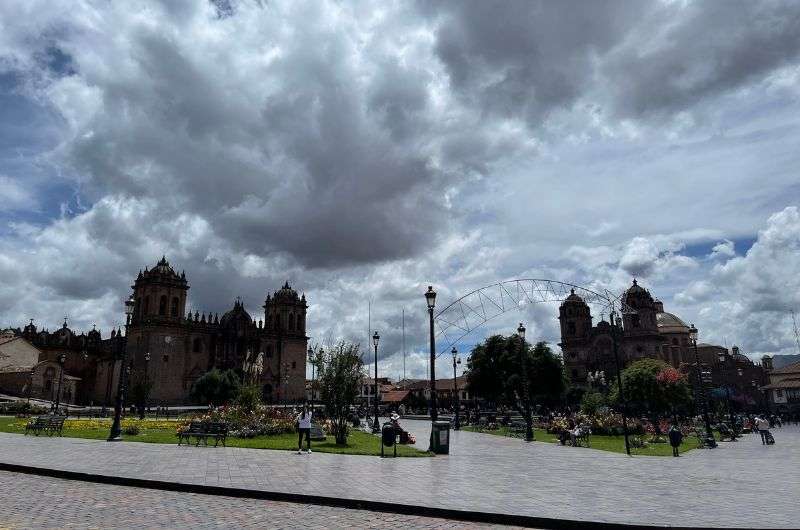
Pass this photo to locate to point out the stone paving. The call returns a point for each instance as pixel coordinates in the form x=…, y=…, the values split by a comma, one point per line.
x=43, y=502
x=741, y=484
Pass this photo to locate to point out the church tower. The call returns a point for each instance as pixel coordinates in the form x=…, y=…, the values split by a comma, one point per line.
x=160, y=295
x=285, y=331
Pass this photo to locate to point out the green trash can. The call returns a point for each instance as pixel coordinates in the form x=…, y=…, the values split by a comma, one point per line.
x=440, y=437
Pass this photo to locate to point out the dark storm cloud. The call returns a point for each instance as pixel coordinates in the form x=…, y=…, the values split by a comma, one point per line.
x=684, y=54
x=526, y=58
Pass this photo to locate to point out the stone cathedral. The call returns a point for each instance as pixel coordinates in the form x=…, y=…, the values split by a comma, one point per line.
x=183, y=345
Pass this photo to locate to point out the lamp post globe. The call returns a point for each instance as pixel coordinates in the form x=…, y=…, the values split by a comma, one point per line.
x=115, y=435
x=430, y=299
x=376, y=427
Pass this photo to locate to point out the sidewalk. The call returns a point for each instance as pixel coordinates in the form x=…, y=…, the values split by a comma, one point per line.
x=484, y=473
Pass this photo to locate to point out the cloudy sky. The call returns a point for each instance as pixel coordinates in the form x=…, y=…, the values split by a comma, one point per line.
x=364, y=150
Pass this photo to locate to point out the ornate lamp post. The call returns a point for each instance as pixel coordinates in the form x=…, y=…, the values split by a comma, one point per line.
x=430, y=298
x=709, y=440
x=62, y=357
x=376, y=428
x=146, y=383
x=616, y=329
x=116, y=430
x=523, y=365
x=313, y=365
x=457, y=401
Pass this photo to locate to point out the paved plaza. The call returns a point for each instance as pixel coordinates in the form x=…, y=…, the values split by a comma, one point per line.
x=741, y=484
x=44, y=502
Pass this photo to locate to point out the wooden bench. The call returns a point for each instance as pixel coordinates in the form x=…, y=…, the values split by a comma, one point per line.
x=49, y=425
x=582, y=436
x=202, y=430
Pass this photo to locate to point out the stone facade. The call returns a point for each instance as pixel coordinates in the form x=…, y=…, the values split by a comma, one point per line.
x=183, y=345
x=649, y=332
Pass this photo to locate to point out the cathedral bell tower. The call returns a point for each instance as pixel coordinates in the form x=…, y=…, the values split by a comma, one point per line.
x=160, y=295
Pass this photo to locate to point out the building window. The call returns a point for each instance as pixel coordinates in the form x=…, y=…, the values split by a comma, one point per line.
x=197, y=345
x=146, y=305
x=294, y=365
x=165, y=358
x=779, y=393
x=291, y=321
x=268, y=351
x=635, y=321
x=162, y=305
x=571, y=328
x=675, y=342
x=175, y=303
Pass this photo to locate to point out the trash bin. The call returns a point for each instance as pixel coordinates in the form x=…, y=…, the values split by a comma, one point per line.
x=440, y=437
x=388, y=437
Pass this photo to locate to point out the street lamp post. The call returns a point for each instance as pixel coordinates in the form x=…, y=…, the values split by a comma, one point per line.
x=146, y=389
x=116, y=429
x=523, y=365
x=616, y=328
x=430, y=298
x=709, y=440
x=311, y=362
x=62, y=357
x=457, y=401
x=376, y=428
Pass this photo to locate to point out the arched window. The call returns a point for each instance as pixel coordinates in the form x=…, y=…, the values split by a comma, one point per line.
x=301, y=323
x=675, y=341
x=291, y=321
x=138, y=308
x=197, y=345
x=162, y=305
x=146, y=305
x=174, y=309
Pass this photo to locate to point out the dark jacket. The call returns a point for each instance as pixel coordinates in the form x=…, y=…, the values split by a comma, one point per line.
x=675, y=437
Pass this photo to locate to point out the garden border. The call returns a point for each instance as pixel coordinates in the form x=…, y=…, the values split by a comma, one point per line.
x=377, y=506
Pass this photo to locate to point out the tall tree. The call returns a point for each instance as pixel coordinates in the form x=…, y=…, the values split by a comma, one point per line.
x=216, y=387
x=495, y=367
x=339, y=377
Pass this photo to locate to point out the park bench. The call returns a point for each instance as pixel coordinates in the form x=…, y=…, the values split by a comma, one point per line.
x=203, y=430
x=49, y=425
x=581, y=438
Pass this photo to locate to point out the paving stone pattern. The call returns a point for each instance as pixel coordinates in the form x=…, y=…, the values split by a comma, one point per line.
x=741, y=484
x=43, y=502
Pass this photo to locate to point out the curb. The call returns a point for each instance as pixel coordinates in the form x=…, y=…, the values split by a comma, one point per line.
x=355, y=504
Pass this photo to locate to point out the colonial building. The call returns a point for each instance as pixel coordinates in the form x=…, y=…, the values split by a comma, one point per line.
x=183, y=345
x=647, y=332
x=169, y=348
x=783, y=390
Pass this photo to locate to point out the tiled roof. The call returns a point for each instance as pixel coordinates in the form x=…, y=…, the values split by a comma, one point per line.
x=790, y=369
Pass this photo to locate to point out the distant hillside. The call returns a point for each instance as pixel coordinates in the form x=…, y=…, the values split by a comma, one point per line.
x=779, y=361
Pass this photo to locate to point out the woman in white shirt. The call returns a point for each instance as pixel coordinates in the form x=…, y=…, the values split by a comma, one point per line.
x=304, y=429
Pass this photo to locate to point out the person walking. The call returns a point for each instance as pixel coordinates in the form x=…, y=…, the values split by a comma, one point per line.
x=304, y=429
x=675, y=439
x=762, y=424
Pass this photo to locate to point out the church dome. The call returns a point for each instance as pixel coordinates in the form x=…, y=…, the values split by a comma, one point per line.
x=237, y=315
x=669, y=323
x=286, y=294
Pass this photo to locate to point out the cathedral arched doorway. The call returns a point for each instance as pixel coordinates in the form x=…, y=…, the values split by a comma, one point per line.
x=266, y=393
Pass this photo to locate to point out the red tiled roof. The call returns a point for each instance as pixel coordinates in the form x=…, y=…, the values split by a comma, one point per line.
x=394, y=396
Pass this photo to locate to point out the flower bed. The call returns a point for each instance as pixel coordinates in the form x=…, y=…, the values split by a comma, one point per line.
x=243, y=424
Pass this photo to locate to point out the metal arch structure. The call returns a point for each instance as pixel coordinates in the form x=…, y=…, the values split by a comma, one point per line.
x=478, y=307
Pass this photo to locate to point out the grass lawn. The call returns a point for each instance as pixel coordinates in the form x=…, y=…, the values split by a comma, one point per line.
x=615, y=444
x=163, y=431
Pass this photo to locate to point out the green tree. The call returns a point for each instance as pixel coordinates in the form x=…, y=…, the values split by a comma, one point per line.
x=339, y=377
x=248, y=398
x=653, y=388
x=592, y=402
x=494, y=372
x=140, y=392
x=216, y=387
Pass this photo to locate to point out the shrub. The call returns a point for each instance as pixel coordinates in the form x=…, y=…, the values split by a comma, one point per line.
x=21, y=407
x=131, y=430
